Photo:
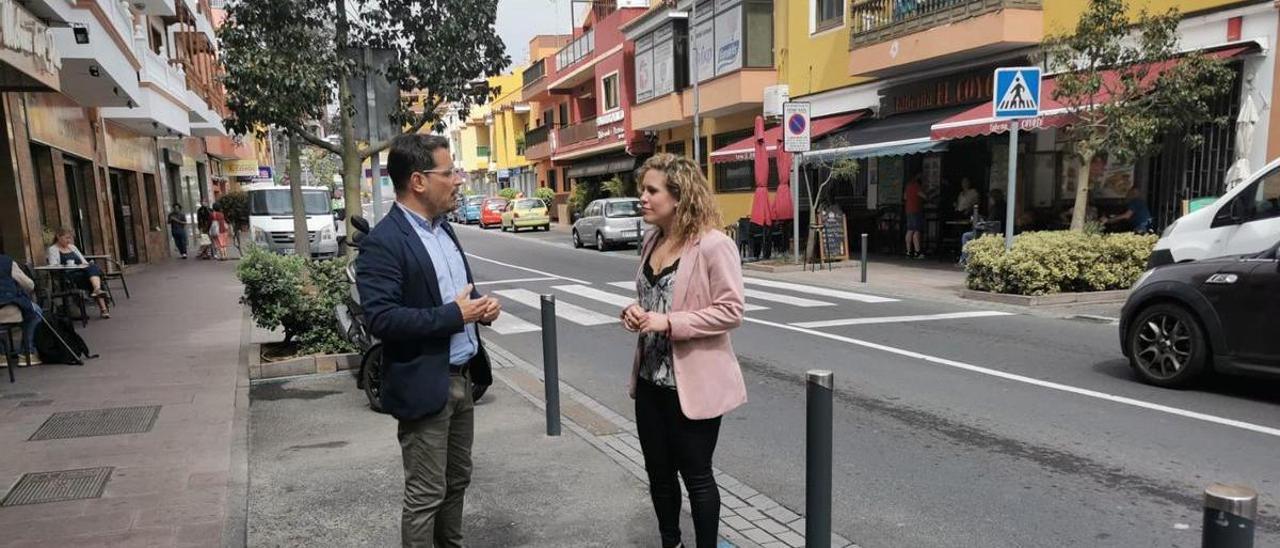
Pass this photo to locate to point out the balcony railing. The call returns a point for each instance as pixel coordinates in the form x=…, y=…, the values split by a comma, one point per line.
x=874, y=21
x=576, y=50
x=537, y=136
x=535, y=72
x=577, y=133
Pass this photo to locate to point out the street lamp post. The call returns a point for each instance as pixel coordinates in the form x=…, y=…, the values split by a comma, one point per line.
x=697, y=75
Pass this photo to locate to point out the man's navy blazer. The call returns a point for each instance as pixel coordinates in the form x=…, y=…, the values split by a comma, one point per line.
x=404, y=308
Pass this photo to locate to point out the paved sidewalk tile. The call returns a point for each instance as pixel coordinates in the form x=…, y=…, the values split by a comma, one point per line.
x=173, y=345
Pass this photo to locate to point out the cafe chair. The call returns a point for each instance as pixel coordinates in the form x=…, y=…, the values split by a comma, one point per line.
x=11, y=323
x=114, y=270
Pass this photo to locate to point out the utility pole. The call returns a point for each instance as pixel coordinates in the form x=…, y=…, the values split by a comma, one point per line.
x=375, y=133
x=697, y=115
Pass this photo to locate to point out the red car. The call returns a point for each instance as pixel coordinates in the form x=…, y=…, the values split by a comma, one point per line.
x=491, y=212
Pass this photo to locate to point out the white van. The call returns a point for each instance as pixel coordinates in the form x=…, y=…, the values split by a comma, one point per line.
x=271, y=218
x=1245, y=220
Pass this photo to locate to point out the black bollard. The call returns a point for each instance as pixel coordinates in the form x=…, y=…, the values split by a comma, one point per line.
x=639, y=237
x=817, y=472
x=1229, y=515
x=864, y=257
x=550, y=365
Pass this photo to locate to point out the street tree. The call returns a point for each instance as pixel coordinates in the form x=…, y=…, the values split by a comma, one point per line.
x=1127, y=85
x=831, y=171
x=443, y=48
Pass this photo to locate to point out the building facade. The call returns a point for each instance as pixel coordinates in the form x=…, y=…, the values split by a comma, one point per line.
x=119, y=118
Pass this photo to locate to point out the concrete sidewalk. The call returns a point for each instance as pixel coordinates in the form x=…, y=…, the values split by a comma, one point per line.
x=170, y=355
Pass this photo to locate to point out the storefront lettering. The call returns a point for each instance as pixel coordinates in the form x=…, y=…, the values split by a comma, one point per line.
x=952, y=91
x=23, y=33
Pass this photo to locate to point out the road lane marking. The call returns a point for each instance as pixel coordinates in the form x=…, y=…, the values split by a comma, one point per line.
x=901, y=319
x=568, y=311
x=596, y=294
x=515, y=281
x=1274, y=432
x=510, y=324
x=527, y=269
x=631, y=286
x=785, y=299
x=819, y=291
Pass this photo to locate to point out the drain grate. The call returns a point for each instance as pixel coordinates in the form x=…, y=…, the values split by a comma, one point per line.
x=97, y=422
x=58, y=486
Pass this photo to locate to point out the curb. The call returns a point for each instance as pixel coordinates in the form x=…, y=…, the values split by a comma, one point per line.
x=302, y=365
x=748, y=518
x=235, y=526
x=1056, y=299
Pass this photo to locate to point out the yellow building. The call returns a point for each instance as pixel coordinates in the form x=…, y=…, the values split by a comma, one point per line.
x=510, y=121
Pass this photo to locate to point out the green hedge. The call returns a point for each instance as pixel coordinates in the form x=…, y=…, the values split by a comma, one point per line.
x=1041, y=263
x=545, y=194
x=508, y=193
x=296, y=295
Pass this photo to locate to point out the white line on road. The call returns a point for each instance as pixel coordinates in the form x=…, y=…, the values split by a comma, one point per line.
x=515, y=281
x=527, y=269
x=631, y=286
x=902, y=319
x=1275, y=432
x=785, y=299
x=596, y=294
x=510, y=324
x=820, y=291
x=568, y=311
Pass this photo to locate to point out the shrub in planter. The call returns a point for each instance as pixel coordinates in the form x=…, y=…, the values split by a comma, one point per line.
x=235, y=206
x=1061, y=261
x=508, y=193
x=545, y=194
x=296, y=295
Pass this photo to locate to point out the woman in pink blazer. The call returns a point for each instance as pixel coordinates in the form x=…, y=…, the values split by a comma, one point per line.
x=685, y=375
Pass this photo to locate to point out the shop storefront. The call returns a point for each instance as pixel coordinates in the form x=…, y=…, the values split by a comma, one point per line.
x=137, y=205
x=72, y=193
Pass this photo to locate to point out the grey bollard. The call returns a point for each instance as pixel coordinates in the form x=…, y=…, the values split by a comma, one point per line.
x=1230, y=512
x=864, y=257
x=550, y=365
x=817, y=471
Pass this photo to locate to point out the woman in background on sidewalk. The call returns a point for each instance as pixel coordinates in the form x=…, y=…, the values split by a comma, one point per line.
x=685, y=375
x=218, y=233
x=64, y=252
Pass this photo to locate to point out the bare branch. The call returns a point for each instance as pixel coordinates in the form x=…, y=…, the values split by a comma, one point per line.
x=314, y=139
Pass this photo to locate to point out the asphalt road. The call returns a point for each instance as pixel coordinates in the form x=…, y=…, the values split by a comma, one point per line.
x=954, y=425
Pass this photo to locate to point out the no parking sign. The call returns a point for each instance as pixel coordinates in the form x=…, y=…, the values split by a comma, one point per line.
x=796, y=126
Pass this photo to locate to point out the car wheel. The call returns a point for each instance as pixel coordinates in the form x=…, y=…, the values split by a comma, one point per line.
x=577, y=240
x=1166, y=346
x=546, y=227
x=601, y=245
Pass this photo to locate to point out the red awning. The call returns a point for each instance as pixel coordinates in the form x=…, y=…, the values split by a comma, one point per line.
x=978, y=120
x=744, y=150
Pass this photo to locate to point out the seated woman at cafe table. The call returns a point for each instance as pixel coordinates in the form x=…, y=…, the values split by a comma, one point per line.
x=64, y=252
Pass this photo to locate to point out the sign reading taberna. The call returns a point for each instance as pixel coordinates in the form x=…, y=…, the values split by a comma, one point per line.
x=1017, y=93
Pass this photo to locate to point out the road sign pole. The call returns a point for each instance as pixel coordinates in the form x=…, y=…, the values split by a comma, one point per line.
x=374, y=135
x=795, y=207
x=1012, y=194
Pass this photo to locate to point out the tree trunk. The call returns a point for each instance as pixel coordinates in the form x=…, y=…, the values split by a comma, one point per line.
x=301, y=239
x=1082, y=193
x=351, y=163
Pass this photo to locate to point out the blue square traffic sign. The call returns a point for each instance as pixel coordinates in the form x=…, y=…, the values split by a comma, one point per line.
x=1017, y=93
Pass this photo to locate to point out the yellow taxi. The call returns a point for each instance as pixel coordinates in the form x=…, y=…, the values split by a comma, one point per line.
x=525, y=213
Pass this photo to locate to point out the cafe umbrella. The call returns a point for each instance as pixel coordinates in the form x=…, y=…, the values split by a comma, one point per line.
x=761, y=212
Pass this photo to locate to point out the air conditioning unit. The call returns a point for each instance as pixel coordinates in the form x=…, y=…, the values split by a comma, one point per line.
x=774, y=97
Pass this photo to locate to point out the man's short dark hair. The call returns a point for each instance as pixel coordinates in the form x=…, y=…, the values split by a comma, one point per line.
x=410, y=153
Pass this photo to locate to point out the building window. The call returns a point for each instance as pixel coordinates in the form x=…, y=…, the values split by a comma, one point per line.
x=732, y=176
x=827, y=14
x=676, y=147
x=610, y=92
x=759, y=34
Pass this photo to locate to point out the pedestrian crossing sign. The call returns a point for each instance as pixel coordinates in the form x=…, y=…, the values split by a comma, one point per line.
x=1017, y=93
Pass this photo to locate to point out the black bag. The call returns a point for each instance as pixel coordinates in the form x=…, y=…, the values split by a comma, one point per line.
x=57, y=341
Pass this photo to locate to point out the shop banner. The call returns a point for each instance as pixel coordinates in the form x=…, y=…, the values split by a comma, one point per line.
x=729, y=40
x=241, y=168
x=644, y=75
x=703, y=61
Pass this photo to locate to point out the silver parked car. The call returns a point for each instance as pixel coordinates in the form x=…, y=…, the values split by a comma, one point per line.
x=609, y=222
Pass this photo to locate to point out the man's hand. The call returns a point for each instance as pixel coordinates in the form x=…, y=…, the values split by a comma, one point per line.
x=491, y=310
x=472, y=309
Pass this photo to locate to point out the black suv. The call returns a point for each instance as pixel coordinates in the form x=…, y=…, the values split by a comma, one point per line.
x=1182, y=320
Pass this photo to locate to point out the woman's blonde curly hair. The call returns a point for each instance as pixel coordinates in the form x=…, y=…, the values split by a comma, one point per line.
x=696, y=209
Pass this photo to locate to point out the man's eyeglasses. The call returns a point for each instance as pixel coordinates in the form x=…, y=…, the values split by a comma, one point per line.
x=451, y=172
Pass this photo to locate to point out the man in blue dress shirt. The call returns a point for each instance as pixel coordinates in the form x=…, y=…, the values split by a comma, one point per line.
x=420, y=300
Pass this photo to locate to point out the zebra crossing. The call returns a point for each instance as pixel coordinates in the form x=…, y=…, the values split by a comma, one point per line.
x=580, y=303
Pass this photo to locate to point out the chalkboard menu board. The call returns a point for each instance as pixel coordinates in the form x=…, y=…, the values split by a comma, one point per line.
x=835, y=243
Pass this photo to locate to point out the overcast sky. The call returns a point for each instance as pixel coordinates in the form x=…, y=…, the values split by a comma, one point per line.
x=521, y=20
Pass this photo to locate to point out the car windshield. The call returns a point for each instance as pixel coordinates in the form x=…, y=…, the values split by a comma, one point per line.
x=279, y=202
x=475, y=200
x=529, y=204
x=629, y=208
x=495, y=205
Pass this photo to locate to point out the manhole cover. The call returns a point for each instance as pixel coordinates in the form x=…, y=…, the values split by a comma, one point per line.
x=97, y=422
x=57, y=486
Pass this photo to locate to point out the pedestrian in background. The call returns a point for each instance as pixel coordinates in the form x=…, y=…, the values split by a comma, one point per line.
x=914, y=196
x=178, y=228
x=418, y=295
x=685, y=375
x=218, y=233
x=204, y=216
